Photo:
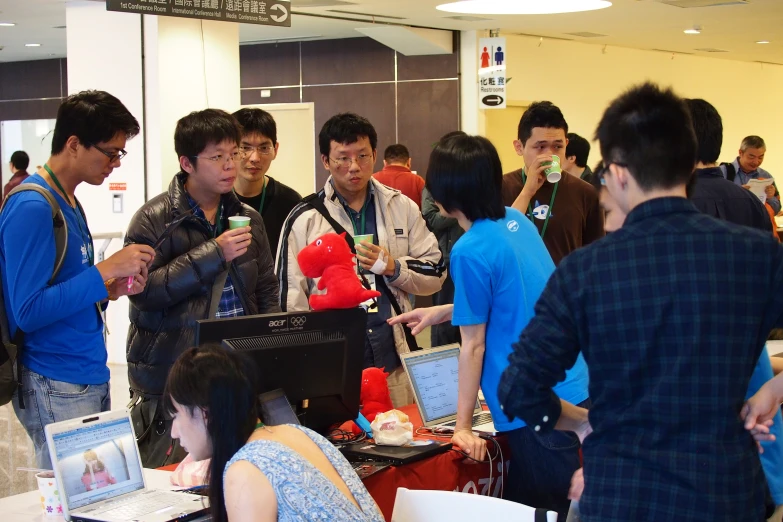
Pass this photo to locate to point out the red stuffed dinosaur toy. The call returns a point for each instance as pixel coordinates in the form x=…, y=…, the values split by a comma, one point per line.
x=329, y=258
x=375, y=396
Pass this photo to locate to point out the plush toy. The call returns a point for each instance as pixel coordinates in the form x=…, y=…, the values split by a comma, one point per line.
x=374, y=395
x=329, y=258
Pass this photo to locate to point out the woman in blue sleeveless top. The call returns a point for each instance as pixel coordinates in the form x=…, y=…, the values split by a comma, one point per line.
x=257, y=472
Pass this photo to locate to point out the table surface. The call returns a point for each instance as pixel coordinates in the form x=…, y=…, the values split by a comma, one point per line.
x=27, y=506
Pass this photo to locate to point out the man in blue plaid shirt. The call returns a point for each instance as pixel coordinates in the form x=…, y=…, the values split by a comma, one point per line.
x=670, y=329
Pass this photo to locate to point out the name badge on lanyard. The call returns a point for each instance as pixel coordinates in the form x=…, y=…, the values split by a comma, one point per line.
x=367, y=305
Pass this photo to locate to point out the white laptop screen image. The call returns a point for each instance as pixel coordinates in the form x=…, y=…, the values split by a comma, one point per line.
x=434, y=376
x=97, y=462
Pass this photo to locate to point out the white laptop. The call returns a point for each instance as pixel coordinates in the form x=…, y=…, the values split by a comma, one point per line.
x=98, y=469
x=433, y=377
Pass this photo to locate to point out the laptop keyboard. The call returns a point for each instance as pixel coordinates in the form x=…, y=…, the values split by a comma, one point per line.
x=133, y=507
x=478, y=420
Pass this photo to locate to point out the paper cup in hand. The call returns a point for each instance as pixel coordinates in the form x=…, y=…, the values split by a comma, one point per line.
x=553, y=172
x=238, y=222
x=50, y=494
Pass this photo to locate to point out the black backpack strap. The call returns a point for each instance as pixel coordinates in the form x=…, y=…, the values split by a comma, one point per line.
x=316, y=202
x=731, y=172
x=58, y=223
x=540, y=515
x=61, y=247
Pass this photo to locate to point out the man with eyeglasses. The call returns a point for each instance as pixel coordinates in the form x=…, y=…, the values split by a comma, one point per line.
x=202, y=269
x=400, y=258
x=62, y=366
x=253, y=186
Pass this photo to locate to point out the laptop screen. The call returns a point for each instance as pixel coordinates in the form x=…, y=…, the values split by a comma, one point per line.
x=276, y=409
x=435, y=382
x=98, y=462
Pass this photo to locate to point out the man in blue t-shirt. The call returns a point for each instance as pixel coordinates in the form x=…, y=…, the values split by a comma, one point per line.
x=62, y=366
x=500, y=267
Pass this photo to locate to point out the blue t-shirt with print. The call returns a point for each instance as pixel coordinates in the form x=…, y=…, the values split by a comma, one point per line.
x=499, y=269
x=63, y=337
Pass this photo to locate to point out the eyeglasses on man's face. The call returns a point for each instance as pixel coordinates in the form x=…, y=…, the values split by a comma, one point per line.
x=344, y=162
x=220, y=158
x=604, y=170
x=264, y=150
x=113, y=156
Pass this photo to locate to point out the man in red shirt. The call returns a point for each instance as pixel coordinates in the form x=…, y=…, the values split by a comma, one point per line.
x=19, y=163
x=397, y=173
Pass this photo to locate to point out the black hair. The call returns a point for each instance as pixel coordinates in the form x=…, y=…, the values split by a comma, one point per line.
x=465, y=174
x=540, y=114
x=93, y=117
x=20, y=160
x=196, y=131
x=257, y=121
x=221, y=383
x=649, y=131
x=345, y=128
x=397, y=153
x=708, y=127
x=579, y=147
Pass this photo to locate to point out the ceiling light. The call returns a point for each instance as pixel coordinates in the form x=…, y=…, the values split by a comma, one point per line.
x=693, y=30
x=763, y=42
x=7, y=24
x=522, y=7
x=32, y=45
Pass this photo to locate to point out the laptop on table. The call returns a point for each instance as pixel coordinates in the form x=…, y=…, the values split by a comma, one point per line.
x=433, y=377
x=100, y=477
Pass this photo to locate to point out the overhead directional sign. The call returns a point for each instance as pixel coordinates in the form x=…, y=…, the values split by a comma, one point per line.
x=492, y=73
x=259, y=12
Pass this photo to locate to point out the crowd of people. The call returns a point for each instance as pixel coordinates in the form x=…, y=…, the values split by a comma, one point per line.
x=627, y=370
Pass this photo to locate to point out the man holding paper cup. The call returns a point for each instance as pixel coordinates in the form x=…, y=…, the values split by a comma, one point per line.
x=212, y=261
x=394, y=248
x=564, y=209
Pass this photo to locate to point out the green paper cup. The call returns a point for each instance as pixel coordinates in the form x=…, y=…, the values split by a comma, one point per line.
x=554, y=172
x=238, y=222
x=362, y=237
x=358, y=238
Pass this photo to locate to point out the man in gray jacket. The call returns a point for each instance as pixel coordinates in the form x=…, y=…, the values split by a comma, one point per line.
x=403, y=254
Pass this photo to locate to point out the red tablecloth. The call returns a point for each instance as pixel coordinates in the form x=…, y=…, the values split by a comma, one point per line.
x=448, y=471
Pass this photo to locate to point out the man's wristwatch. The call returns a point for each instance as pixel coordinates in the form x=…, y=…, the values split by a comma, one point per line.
x=108, y=284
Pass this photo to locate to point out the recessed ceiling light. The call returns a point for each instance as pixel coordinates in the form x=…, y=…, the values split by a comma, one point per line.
x=763, y=42
x=7, y=24
x=694, y=30
x=521, y=7
x=32, y=45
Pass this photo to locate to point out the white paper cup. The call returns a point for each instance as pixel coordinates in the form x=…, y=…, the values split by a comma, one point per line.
x=50, y=494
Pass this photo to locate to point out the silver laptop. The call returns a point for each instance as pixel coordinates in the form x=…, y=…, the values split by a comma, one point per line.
x=433, y=377
x=98, y=469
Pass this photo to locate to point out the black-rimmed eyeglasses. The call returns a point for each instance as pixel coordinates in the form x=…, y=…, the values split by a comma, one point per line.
x=113, y=156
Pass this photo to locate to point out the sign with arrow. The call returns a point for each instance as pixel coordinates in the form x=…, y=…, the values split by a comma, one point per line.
x=258, y=12
x=492, y=57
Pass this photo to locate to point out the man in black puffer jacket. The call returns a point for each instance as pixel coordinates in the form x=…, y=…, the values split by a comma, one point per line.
x=202, y=268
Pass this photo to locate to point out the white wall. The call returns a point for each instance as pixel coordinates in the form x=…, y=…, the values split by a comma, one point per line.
x=190, y=65
x=581, y=79
x=93, y=64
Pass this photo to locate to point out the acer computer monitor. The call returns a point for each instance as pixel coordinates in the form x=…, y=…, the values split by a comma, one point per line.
x=316, y=358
